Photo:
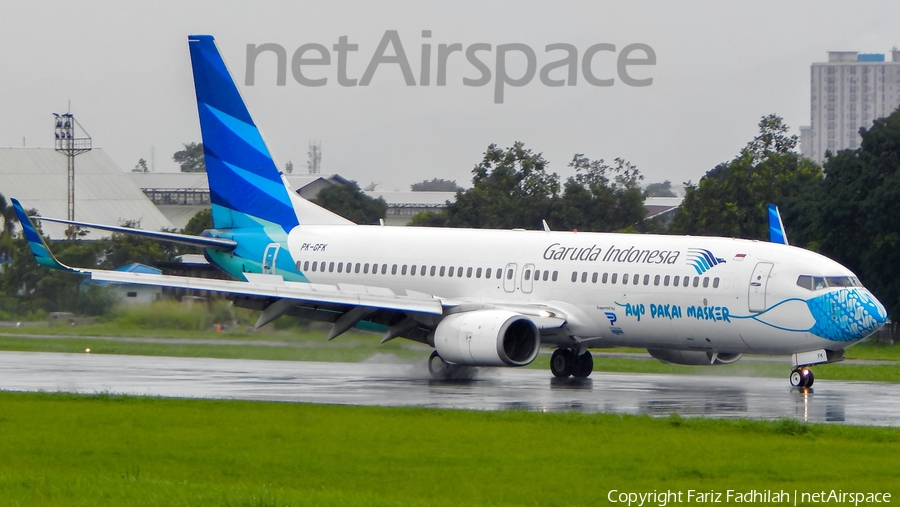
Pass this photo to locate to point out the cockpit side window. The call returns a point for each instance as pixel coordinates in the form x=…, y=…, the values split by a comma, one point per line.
x=815, y=283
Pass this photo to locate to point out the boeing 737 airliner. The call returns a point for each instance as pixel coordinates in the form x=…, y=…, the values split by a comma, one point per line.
x=495, y=297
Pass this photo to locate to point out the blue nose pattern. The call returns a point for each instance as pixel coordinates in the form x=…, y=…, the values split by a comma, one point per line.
x=846, y=315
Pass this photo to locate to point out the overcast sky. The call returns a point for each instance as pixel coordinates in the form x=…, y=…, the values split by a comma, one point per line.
x=720, y=66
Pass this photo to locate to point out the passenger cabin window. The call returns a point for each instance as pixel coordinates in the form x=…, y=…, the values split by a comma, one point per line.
x=412, y=270
x=605, y=278
x=584, y=277
x=469, y=273
x=647, y=279
x=705, y=282
x=614, y=275
x=509, y=274
x=433, y=269
x=403, y=269
x=555, y=275
x=546, y=275
x=306, y=266
x=594, y=277
x=696, y=281
x=315, y=263
x=716, y=282
x=384, y=268
x=340, y=267
x=357, y=268
x=666, y=281
x=624, y=279
x=636, y=279
x=656, y=280
x=685, y=281
x=366, y=268
x=676, y=280
x=487, y=273
x=443, y=270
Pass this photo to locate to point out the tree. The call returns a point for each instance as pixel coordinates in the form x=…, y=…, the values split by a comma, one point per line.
x=772, y=139
x=198, y=223
x=732, y=198
x=8, y=216
x=123, y=249
x=600, y=197
x=663, y=189
x=436, y=185
x=141, y=167
x=856, y=223
x=510, y=189
x=351, y=203
x=191, y=158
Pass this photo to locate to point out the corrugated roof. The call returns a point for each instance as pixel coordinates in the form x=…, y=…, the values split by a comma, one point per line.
x=103, y=192
x=409, y=198
x=198, y=181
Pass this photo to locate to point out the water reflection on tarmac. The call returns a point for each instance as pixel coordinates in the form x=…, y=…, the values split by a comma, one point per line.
x=860, y=403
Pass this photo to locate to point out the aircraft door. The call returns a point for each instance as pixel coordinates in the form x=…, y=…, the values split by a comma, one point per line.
x=269, y=257
x=527, y=278
x=509, y=277
x=758, y=282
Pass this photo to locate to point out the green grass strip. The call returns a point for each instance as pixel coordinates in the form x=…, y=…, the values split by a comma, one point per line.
x=101, y=450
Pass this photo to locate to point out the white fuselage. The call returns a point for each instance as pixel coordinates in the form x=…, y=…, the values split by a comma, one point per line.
x=620, y=288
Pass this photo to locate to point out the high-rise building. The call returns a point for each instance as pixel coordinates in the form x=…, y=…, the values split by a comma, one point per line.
x=848, y=91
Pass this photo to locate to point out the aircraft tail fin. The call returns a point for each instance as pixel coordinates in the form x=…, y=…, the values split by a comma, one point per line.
x=246, y=188
x=776, y=227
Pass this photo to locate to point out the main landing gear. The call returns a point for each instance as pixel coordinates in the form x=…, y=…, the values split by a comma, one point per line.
x=802, y=376
x=565, y=363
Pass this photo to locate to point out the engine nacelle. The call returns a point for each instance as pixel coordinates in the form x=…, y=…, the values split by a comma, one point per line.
x=487, y=338
x=693, y=357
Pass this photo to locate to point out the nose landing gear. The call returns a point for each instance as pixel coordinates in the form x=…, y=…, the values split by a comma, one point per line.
x=802, y=377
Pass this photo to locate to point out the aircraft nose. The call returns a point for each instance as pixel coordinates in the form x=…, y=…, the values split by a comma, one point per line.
x=847, y=315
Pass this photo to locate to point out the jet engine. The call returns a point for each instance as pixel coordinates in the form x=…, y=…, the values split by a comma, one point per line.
x=693, y=357
x=487, y=338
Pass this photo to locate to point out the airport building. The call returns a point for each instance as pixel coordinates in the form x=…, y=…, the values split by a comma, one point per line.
x=848, y=91
x=104, y=194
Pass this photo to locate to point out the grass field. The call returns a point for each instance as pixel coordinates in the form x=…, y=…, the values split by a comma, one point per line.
x=109, y=450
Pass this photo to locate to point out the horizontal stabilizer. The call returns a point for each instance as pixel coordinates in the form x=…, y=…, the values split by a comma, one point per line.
x=184, y=239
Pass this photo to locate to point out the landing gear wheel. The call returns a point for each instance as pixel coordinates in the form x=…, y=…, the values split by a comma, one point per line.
x=561, y=363
x=583, y=365
x=437, y=367
x=802, y=377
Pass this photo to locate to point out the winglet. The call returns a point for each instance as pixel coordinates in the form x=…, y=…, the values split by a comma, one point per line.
x=39, y=248
x=776, y=227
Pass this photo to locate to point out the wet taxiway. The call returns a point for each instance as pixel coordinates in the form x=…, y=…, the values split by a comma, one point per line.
x=861, y=403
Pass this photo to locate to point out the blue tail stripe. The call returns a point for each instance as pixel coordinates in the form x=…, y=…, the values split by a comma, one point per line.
x=226, y=144
x=274, y=190
x=246, y=132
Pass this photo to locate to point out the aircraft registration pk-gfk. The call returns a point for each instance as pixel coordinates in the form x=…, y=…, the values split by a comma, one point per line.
x=495, y=297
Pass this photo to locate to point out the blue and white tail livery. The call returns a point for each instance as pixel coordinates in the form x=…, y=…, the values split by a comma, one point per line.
x=495, y=297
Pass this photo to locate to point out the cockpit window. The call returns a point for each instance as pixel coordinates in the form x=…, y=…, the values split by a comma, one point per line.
x=814, y=283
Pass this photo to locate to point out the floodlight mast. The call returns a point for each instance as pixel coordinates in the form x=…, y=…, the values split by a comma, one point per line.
x=71, y=145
